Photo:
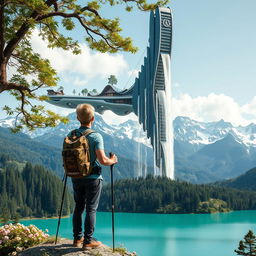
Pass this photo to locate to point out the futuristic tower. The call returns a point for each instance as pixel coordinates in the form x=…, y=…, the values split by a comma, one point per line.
x=149, y=97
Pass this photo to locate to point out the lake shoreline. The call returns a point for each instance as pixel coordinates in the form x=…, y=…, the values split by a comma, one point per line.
x=37, y=218
x=147, y=213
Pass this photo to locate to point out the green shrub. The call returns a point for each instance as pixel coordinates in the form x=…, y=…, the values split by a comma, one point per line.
x=16, y=237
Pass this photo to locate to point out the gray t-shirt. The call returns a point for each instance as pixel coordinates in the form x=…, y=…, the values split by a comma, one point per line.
x=95, y=142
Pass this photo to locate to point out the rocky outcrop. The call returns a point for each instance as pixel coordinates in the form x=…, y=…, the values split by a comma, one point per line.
x=64, y=247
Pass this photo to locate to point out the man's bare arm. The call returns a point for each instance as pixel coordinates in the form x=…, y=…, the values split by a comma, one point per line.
x=103, y=159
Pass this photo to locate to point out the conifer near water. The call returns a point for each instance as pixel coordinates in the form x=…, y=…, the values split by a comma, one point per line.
x=247, y=246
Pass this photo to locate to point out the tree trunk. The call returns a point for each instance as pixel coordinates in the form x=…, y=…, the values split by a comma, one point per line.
x=3, y=76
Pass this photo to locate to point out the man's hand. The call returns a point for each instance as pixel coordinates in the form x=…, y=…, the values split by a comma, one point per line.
x=113, y=157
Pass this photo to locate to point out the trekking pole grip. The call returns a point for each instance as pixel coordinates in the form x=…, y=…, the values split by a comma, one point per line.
x=110, y=155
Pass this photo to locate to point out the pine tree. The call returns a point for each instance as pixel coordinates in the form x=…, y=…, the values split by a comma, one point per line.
x=32, y=192
x=248, y=246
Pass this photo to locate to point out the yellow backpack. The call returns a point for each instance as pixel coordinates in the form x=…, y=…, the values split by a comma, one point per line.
x=76, y=154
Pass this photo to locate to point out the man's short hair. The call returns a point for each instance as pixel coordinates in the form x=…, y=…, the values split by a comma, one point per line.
x=85, y=113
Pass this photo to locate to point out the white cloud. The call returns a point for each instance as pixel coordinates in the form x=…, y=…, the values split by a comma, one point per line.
x=77, y=81
x=213, y=108
x=249, y=110
x=88, y=63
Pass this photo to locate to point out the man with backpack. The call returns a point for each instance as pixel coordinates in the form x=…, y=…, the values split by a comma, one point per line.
x=83, y=152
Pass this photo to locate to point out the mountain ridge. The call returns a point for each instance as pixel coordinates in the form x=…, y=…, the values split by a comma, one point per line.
x=204, y=152
x=185, y=129
x=246, y=181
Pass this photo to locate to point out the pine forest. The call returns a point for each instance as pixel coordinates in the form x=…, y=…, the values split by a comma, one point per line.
x=28, y=190
x=162, y=195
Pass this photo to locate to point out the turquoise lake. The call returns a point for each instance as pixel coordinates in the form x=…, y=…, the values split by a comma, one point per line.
x=167, y=235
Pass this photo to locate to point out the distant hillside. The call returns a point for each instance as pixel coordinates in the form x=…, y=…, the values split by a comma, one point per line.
x=162, y=195
x=245, y=181
x=30, y=191
x=21, y=147
x=222, y=159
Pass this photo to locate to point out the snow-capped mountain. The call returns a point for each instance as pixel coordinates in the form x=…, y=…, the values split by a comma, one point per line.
x=7, y=122
x=127, y=130
x=204, y=152
x=10, y=122
x=212, y=151
x=185, y=130
x=201, y=133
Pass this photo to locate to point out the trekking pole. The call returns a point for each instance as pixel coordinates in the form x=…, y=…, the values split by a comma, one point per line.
x=61, y=206
x=113, y=206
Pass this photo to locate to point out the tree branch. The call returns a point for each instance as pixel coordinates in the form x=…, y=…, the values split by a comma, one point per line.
x=21, y=32
x=18, y=58
x=38, y=87
x=13, y=86
x=94, y=31
x=87, y=8
x=23, y=111
x=55, y=37
x=57, y=13
x=77, y=16
x=22, y=106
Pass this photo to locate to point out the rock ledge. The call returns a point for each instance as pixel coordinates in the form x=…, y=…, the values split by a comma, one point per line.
x=64, y=247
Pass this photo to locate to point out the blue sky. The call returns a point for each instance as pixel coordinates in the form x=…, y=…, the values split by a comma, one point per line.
x=215, y=47
x=213, y=59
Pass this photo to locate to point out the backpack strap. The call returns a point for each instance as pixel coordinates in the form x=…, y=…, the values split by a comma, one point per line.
x=87, y=132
